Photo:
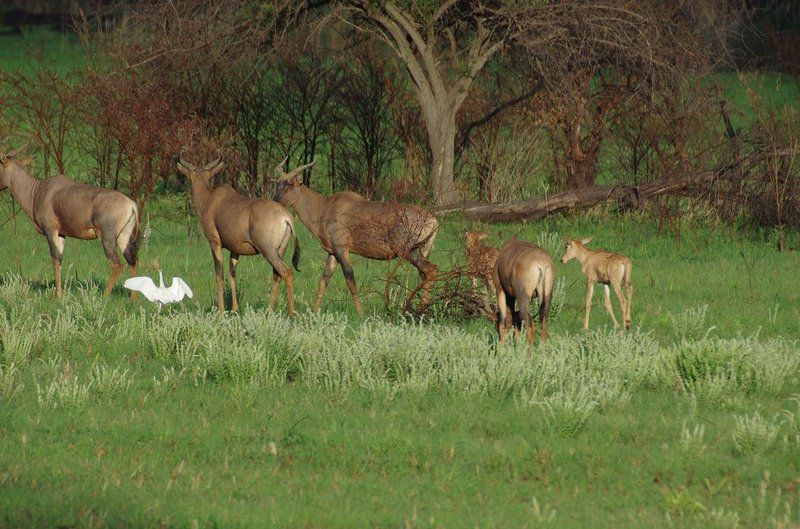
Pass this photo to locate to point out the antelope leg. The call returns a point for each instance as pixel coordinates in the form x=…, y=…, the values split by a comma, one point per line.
x=502, y=314
x=330, y=266
x=216, y=254
x=350, y=278
x=623, y=303
x=525, y=318
x=56, y=254
x=629, y=292
x=609, y=307
x=110, y=249
x=280, y=270
x=232, y=279
x=589, y=294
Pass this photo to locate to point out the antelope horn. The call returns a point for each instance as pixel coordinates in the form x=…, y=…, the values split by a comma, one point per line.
x=186, y=164
x=15, y=152
x=213, y=164
x=303, y=168
x=280, y=167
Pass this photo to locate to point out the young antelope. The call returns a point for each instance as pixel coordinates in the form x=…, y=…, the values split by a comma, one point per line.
x=604, y=267
x=481, y=260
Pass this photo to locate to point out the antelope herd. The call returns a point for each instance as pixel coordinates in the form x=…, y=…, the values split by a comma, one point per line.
x=343, y=223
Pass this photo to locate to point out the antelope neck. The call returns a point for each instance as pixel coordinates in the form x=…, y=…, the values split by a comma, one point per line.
x=308, y=207
x=200, y=193
x=23, y=186
x=582, y=254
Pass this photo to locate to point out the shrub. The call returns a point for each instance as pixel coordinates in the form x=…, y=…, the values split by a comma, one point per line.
x=753, y=434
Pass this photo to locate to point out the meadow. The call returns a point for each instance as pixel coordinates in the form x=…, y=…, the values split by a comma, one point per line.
x=116, y=413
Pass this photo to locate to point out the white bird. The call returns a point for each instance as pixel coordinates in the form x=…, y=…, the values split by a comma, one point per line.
x=160, y=294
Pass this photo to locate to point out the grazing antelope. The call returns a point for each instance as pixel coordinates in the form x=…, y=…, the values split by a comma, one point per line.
x=60, y=207
x=523, y=271
x=604, y=267
x=243, y=226
x=346, y=223
x=481, y=260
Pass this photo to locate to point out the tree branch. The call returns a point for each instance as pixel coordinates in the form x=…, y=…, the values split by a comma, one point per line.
x=464, y=139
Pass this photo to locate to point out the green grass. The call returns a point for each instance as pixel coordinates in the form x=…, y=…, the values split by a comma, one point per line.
x=117, y=414
x=36, y=46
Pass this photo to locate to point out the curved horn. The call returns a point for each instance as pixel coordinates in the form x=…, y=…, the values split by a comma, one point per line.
x=280, y=167
x=15, y=152
x=303, y=168
x=213, y=164
x=186, y=164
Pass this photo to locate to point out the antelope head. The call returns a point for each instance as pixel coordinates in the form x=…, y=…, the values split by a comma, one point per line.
x=200, y=175
x=289, y=182
x=474, y=238
x=572, y=247
x=7, y=158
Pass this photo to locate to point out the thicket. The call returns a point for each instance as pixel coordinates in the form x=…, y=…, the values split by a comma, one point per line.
x=256, y=88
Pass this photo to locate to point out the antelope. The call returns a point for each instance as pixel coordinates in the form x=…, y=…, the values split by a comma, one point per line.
x=61, y=207
x=346, y=223
x=481, y=260
x=243, y=226
x=523, y=271
x=607, y=268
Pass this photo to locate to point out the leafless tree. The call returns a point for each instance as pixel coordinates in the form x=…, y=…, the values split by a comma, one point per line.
x=367, y=143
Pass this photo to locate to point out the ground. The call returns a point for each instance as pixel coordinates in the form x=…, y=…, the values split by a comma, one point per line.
x=105, y=425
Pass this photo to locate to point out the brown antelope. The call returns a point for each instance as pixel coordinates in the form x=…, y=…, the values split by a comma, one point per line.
x=346, y=223
x=60, y=207
x=481, y=260
x=604, y=267
x=243, y=226
x=523, y=271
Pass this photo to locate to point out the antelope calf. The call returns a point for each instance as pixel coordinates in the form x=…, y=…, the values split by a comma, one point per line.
x=346, y=223
x=481, y=260
x=606, y=268
x=523, y=271
x=60, y=207
x=243, y=226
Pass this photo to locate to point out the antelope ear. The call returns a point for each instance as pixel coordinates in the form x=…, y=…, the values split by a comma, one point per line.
x=586, y=240
x=183, y=167
x=482, y=236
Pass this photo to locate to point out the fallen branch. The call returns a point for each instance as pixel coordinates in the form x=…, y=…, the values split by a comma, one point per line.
x=632, y=197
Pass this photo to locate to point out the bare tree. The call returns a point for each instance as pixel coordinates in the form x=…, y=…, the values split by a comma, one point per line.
x=444, y=46
x=367, y=143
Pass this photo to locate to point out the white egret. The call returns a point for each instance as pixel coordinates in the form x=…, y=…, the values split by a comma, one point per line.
x=160, y=294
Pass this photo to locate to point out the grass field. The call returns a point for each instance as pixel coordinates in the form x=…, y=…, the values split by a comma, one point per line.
x=116, y=414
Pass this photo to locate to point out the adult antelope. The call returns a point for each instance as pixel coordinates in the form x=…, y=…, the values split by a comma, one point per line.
x=606, y=268
x=60, y=207
x=523, y=271
x=346, y=223
x=243, y=226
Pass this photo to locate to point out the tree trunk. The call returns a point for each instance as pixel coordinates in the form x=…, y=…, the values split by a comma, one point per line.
x=581, y=172
x=443, y=149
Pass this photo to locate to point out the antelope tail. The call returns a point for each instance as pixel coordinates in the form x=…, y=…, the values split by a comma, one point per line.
x=545, y=294
x=131, y=252
x=296, y=253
